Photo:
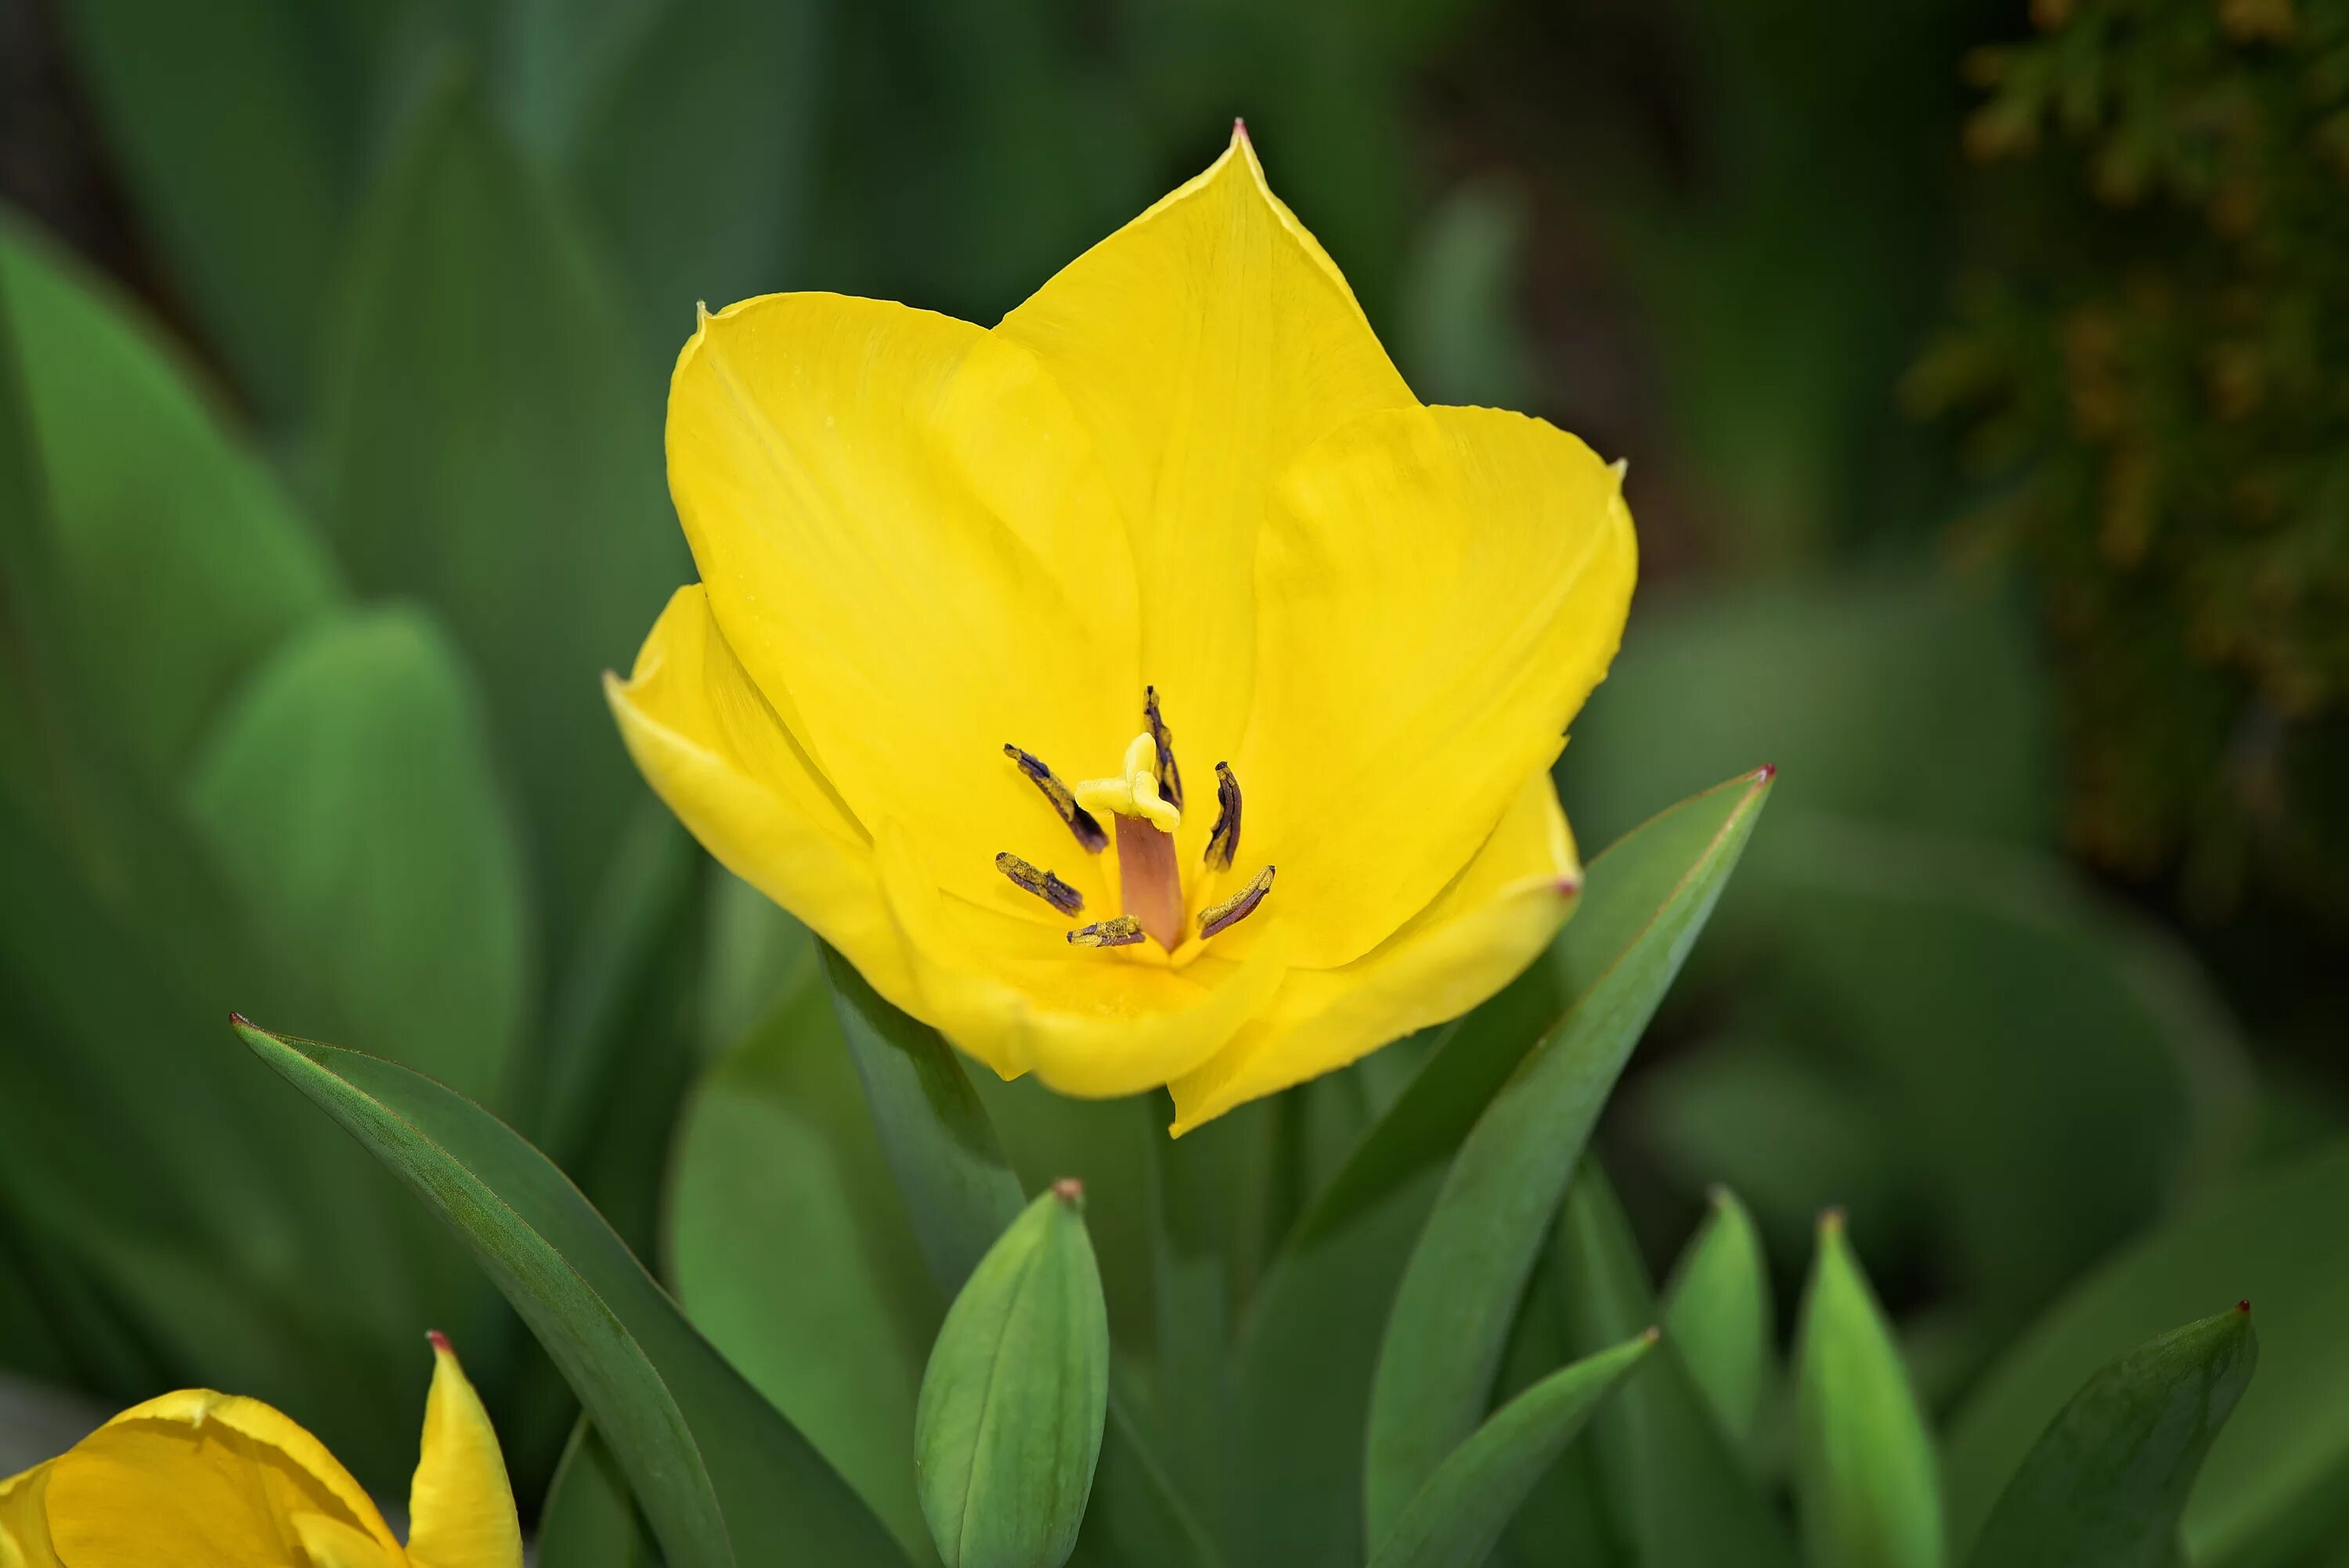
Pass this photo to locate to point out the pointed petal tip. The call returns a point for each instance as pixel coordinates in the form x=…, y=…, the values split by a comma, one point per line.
x=1568, y=886
x=1239, y=131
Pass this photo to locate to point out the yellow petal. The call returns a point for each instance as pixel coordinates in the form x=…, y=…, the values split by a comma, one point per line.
x=908, y=544
x=460, y=1507
x=332, y=1544
x=201, y=1480
x=1204, y=345
x=1440, y=590
x=1087, y=1021
x=1470, y=942
x=24, y=1521
x=719, y=755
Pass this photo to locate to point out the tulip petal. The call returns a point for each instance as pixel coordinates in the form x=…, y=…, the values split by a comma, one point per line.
x=1092, y=1022
x=461, y=1506
x=201, y=1480
x=1474, y=939
x=716, y=752
x=1204, y=345
x=329, y=1542
x=909, y=545
x=24, y=1521
x=1439, y=589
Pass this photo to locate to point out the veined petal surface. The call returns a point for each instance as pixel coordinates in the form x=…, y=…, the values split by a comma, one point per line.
x=909, y=547
x=1471, y=941
x=1204, y=345
x=1440, y=590
x=203, y=1479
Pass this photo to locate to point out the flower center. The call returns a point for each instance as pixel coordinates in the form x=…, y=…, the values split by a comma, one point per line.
x=1144, y=802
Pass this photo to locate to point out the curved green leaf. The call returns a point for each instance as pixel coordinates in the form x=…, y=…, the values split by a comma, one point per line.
x=776, y=1163
x=691, y=1436
x=1013, y=1401
x=178, y=562
x=1864, y=1472
x=1451, y=1316
x=492, y=448
x=350, y=797
x=1311, y=1339
x=1717, y=1310
x=2108, y=1481
x=1469, y=1500
x=2271, y=1487
x=590, y=1521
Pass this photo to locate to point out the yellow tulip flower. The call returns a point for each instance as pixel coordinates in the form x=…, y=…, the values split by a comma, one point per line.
x=200, y=1480
x=1023, y=659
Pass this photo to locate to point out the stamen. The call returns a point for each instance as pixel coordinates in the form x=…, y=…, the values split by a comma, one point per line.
x=1123, y=932
x=1225, y=841
x=1170, y=776
x=1223, y=916
x=1064, y=801
x=1042, y=883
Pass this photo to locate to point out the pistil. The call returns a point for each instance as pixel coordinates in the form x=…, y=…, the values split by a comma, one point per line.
x=1151, y=887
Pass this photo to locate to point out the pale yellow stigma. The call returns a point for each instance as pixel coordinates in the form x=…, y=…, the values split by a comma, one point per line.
x=1136, y=793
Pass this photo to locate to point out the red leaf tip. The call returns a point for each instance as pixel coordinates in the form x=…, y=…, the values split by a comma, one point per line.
x=1069, y=1190
x=239, y=1021
x=2244, y=1306
x=1767, y=772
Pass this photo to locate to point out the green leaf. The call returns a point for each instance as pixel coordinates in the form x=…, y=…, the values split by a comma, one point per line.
x=1008, y=1427
x=1679, y=1491
x=241, y=128
x=492, y=448
x=957, y=1183
x=776, y=1165
x=1865, y=1471
x=590, y=1521
x=348, y=795
x=1452, y=1312
x=1309, y=1342
x=2271, y=1488
x=2107, y=1483
x=676, y=139
x=1717, y=1310
x=1469, y=1500
x=178, y=562
x=690, y=1435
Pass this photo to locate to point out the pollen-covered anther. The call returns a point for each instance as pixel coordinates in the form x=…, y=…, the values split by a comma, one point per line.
x=1221, y=917
x=1080, y=821
x=1040, y=883
x=1223, y=842
x=1170, y=776
x=1123, y=932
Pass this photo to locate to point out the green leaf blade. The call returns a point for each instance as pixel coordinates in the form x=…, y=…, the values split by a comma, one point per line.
x=2106, y=1483
x=1451, y=1317
x=1009, y=1429
x=1866, y=1473
x=1470, y=1498
x=1717, y=1310
x=692, y=1436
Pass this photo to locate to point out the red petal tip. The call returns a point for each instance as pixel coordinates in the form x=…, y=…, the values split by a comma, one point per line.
x=1239, y=129
x=439, y=1341
x=1567, y=887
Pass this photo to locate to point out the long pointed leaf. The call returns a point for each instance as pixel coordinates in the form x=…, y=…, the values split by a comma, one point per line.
x=2106, y=1483
x=1469, y=1500
x=1452, y=1312
x=1312, y=1337
x=691, y=1434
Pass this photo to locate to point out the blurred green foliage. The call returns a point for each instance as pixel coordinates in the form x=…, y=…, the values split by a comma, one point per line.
x=320, y=516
